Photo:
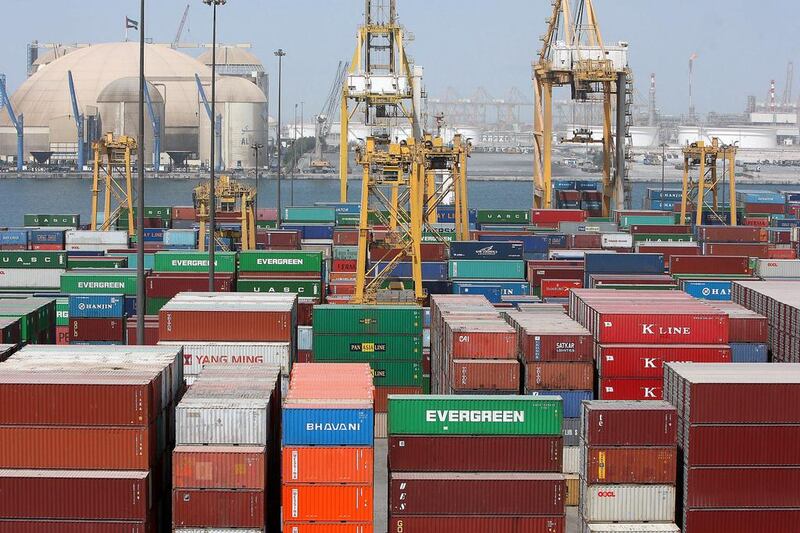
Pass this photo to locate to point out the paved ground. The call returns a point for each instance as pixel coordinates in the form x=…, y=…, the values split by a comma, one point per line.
x=381, y=494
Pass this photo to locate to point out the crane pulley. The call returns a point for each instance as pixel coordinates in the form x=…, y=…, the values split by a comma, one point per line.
x=231, y=197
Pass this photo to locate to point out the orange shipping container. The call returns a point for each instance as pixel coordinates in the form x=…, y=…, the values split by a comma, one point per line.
x=317, y=527
x=319, y=464
x=327, y=503
x=382, y=396
x=80, y=448
x=219, y=467
x=485, y=374
x=570, y=376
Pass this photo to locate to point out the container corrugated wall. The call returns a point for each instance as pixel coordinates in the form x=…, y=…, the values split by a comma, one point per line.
x=220, y=421
x=628, y=503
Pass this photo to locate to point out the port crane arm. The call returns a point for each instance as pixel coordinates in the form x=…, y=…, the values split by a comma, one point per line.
x=156, y=122
x=202, y=93
x=17, y=120
x=180, y=27
x=78, y=120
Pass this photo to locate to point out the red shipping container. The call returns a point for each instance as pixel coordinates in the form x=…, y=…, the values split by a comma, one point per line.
x=328, y=527
x=278, y=237
x=647, y=360
x=760, y=251
x=96, y=329
x=382, y=393
x=169, y=284
x=73, y=526
x=47, y=247
x=554, y=216
x=744, y=445
x=344, y=265
x=150, y=330
x=75, y=495
x=477, y=524
x=474, y=341
x=267, y=213
x=667, y=250
x=327, y=464
x=537, y=273
x=429, y=251
x=629, y=423
x=327, y=503
x=707, y=264
x=745, y=325
x=345, y=237
x=78, y=448
x=584, y=241
x=485, y=374
x=731, y=234
x=305, y=356
x=559, y=376
x=552, y=346
x=218, y=508
x=734, y=403
x=631, y=465
x=219, y=467
x=671, y=229
x=741, y=520
x=630, y=389
x=559, y=288
x=475, y=453
x=305, y=312
x=674, y=324
x=757, y=222
x=339, y=287
x=183, y=213
x=751, y=487
x=62, y=335
x=476, y=494
x=236, y=326
x=764, y=209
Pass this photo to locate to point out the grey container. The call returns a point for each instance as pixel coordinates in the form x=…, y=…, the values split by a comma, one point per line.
x=571, y=429
x=630, y=528
x=305, y=336
x=240, y=421
x=627, y=503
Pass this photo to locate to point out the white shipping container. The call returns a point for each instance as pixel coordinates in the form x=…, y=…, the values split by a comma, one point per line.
x=630, y=528
x=627, y=503
x=616, y=240
x=315, y=246
x=215, y=530
x=571, y=460
x=795, y=234
x=30, y=278
x=222, y=421
x=195, y=356
x=426, y=338
x=778, y=268
x=118, y=239
x=305, y=337
x=381, y=425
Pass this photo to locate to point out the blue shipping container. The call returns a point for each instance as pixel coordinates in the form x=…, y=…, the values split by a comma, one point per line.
x=46, y=236
x=15, y=237
x=666, y=194
x=564, y=185
x=610, y=263
x=312, y=231
x=153, y=234
x=430, y=271
x=489, y=291
x=662, y=205
x=341, y=208
x=447, y=213
x=497, y=289
x=748, y=352
x=328, y=427
x=486, y=249
x=437, y=287
x=786, y=223
x=572, y=399
x=584, y=185
x=556, y=241
x=708, y=289
x=130, y=306
x=96, y=306
x=760, y=197
x=530, y=243
x=180, y=237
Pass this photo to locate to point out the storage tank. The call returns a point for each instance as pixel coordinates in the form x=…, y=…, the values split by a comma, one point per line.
x=745, y=136
x=119, y=112
x=243, y=108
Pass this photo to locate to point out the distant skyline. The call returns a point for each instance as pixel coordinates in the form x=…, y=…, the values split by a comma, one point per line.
x=465, y=44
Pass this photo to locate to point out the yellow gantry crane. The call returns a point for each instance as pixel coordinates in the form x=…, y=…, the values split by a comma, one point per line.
x=574, y=55
x=232, y=197
x=112, y=158
x=708, y=181
x=381, y=82
x=399, y=179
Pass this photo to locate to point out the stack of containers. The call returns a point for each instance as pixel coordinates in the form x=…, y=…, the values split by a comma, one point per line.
x=484, y=250
x=31, y=270
x=328, y=472
x=342, y=276
x=779, y=301
x=473, y=350
x=186, y=271
x=47, y=239
x=628, y=465
x=636, y=332
x=749, y=333
x=37, y=318
x=232, y=329
x=614, y=263
x=97, y=319
x=86, y=434
x=52, y=220
x=14, y=239
x=95, y=241
x=733, y=240
x=313, y=223
x=388, y=337
x=759, y=205
x=778, y=269
x=556, y=354
x=299, y=272
x=475, y=463
x=734, y=477
x=565, y=271
x=227, y=457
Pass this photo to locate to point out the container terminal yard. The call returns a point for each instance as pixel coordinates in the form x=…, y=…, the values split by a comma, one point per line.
x=404, y=355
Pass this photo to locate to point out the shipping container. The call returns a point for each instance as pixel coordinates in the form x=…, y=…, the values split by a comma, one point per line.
x=191, y=261
x=364, y=347
x=368, y=319
x=75, y=526
x=476, y=524
x=301, y=287
x=327, y=464
x=707, y=264
x=740, y=520
x=629, y=423
x=747, y=352
x=755, y=445
x=327, y=426
x=213, y=420
x=319, y=503
x=742, y=486
x=630, y=465
x=280, y=261
x=96, y=306
x=642, y=527
x=486, y=250
x=320, y=527
x=486, y=269
x=99, y=282
x=97, y=330
x=630, y=389
x=473, y=375
x=29, y=259
x=218, y=508
x=219, y=467
x=571, y=399
x=627, y=503
x=647, y=360
x=549, y=376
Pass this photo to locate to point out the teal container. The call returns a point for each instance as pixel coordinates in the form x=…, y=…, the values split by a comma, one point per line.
x=486, y=269
x=633, y=220
x=345, y=252
x=301, y=215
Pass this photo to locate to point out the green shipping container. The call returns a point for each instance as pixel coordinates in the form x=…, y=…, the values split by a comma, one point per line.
x=347, y=219
x=475, y=415
x=345, y=252
x=162, y=212
x=359, y=347
x=438, y=236
x=193, y=262
x=302, y=287
x=663, y=237
x=98, y=283
x=33, y=259
x=267, y=224
x=486, y=269
x=394, y=373
x=57, y=221
x=154, y=305
x=101, y=262
x=632, y=220
x=309, y=214
x=426, y=384
x=367, y=319
x=62, y=312
x=503, y=216
x=280, y=261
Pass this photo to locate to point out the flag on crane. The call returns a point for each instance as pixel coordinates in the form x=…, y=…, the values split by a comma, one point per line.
x=131, y=24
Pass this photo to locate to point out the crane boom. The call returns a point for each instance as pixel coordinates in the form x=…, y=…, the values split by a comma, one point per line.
x=180, y=27
x=16, y=120
x=78, y=120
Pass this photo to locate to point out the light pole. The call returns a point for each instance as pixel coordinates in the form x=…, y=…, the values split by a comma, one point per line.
x=140, y=295
x=280, y=53
x=212, y=192
x=257, y=147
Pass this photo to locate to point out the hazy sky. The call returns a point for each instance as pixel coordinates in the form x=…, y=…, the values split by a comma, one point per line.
x=465, y=44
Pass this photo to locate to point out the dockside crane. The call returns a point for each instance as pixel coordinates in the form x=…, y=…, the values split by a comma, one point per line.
x=113, y=156
x=381, y=82
x=155, y=121
x=702, y=193
x=17, y=120
x=326, y=118
x=176, y=41
x=573, y=55
x=79, y=123
x=217, y=123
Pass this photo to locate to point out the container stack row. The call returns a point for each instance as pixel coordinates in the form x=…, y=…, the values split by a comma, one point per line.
x=86, y=434
x=226, y=458
x=628, y=464
x=738, y=428
x=636, y=332
x=388, y=337
x=328, y=456
x=96, y=319
x=475, y=463
x=473, y=349
x=749, y=333
x=779, y=302
x=28, y=320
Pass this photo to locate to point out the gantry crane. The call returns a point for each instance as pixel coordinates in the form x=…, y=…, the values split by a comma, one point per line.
x=18, y=121
x=708, y=180
x=573, y=55
x=381, y=82
x=326, y=117
x=399, y=178
x=112, y=157
x=232, y=197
